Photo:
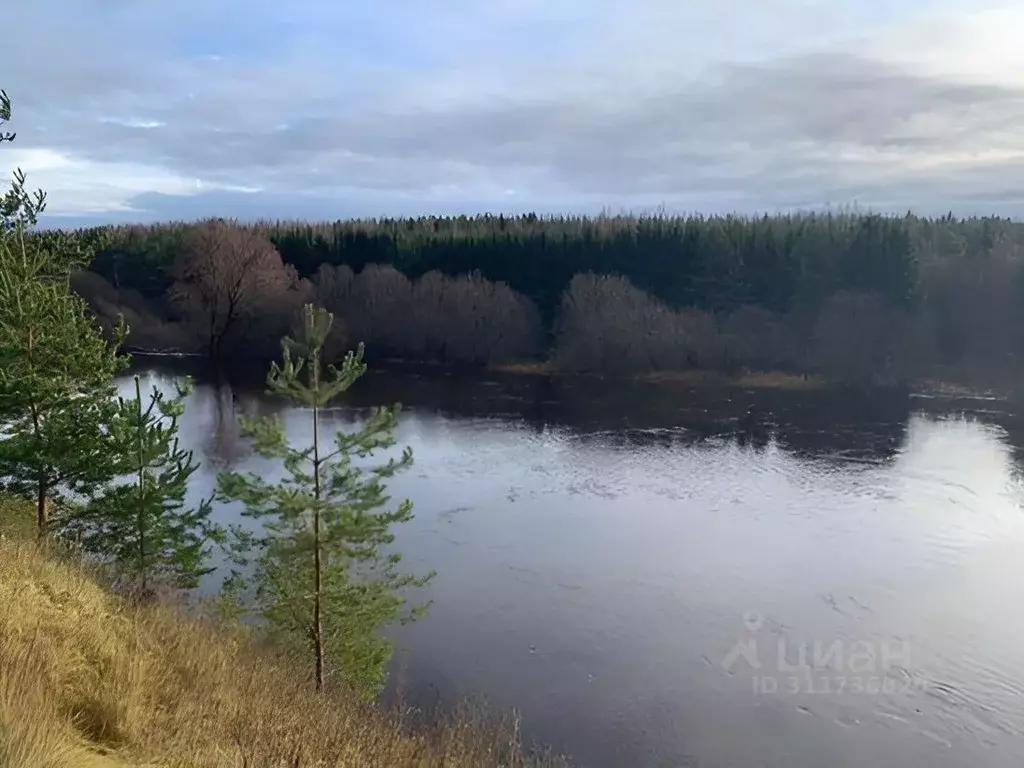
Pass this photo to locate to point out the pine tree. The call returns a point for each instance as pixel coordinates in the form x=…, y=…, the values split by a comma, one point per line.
x=323, y=580
x=144, y=527
x=18, y=207
x=56, y=369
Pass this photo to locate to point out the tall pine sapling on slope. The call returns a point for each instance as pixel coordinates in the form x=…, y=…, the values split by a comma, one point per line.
x=322, y=579
x=144, y=526
x=56, y=400
x=56, y=369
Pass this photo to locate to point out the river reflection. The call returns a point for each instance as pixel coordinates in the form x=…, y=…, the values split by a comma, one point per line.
x=603, y=550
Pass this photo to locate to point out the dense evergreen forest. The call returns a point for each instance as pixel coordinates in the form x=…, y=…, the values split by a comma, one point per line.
x=850, y=296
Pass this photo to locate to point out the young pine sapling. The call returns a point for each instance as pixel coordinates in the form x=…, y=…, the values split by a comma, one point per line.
x=143, y=525
x=323, y=578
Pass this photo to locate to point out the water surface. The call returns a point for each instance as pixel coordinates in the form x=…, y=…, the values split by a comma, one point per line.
x=625, y=565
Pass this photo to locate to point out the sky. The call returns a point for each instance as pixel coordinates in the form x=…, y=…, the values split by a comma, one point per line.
x=145, y=110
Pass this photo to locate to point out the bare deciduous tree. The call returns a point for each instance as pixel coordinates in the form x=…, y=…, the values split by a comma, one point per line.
x=223, y=276
x=427, y=323
x=146, y=330
x=466, y=319
x=379, y=308
x=608, y=324
x=486, y=322
x=332, y=287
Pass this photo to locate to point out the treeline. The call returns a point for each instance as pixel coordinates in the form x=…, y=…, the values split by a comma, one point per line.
x=847, y=295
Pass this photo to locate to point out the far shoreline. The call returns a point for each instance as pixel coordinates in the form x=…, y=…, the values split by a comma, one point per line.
x=693, y=378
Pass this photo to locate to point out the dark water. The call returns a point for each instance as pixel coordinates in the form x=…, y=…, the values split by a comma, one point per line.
x=626, y=565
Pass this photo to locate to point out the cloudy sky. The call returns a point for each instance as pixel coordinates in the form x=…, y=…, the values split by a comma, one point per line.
x=147, y=109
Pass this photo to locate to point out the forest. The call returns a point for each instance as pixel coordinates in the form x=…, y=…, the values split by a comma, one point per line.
x=851, y=297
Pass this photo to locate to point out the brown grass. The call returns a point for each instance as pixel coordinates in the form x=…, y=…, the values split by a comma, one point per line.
x=87, y=679
x=692, y=377
x=538, y=368
x=705, y=378
x=778, y=380
x=17, y=517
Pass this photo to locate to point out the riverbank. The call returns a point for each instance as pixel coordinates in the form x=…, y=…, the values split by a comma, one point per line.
x=89, y=679
x=693, y=377
x=949, y=384
x=941, y=387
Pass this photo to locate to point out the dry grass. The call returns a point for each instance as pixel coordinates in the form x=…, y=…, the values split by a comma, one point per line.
x=17, y=517
x=537, y=368
x=87, y=679
x=692, y=377
x=704, y=378
x=779, y=380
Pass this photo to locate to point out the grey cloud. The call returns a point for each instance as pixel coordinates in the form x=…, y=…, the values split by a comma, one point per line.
x=822, y=129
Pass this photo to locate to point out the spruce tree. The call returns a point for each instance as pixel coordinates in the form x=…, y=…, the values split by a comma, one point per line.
x=144, y=526
x=322, y=578
x=56, y=369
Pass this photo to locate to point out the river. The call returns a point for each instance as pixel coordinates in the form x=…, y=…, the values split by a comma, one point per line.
x=660, y=576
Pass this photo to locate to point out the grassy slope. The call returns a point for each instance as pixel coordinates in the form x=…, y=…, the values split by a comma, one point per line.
x=87, y=679
x=17, y=517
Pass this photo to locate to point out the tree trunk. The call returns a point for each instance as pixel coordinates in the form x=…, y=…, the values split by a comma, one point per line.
x=318, y=615
x=140, y=514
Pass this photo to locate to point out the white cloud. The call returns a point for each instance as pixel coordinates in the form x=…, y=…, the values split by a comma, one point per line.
x=75, y=185
x=133, y=122
x=982, y=47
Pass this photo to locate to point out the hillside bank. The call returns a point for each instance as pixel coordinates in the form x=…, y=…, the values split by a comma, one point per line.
x=88, y=678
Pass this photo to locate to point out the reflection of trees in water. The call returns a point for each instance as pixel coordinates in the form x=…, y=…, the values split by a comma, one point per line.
x=860, y=425
x=864, y=427
x=219, y=400
x=1013, y=425
x=224, y=446
x=210, y=423
x=868, y=426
